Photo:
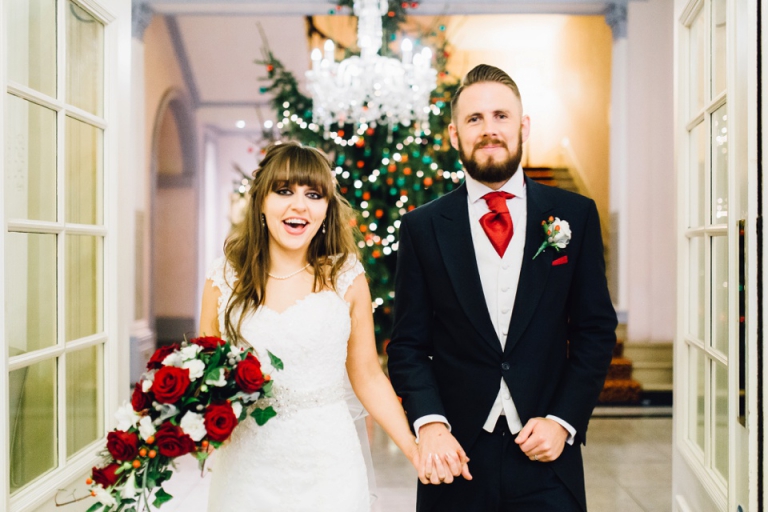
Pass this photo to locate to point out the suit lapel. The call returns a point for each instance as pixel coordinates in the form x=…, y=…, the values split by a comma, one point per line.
x=454, y=237
x=534, y=272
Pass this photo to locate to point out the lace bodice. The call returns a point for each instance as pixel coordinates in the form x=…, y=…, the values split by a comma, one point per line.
x=309, y=456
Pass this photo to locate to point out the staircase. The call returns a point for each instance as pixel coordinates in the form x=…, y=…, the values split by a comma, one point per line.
x=620, y=387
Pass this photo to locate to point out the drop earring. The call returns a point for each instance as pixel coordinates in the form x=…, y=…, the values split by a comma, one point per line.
x=263, y=220
x=323, y=227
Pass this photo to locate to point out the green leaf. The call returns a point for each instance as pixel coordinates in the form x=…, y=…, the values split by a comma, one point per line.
x=276, y=361
x=95, y=507
x=263, y=415
x=161, y=497
x=266, y=389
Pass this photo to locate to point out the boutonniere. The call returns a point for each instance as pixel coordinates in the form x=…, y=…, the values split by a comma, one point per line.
x=557, y=234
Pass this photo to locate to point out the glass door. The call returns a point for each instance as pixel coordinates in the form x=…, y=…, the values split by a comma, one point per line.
x=716, y=262
x=57, y=333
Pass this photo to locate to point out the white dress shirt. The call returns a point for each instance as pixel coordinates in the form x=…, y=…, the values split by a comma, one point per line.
x=499, y=276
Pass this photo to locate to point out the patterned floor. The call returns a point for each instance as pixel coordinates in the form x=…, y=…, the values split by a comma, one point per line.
x=628, y=464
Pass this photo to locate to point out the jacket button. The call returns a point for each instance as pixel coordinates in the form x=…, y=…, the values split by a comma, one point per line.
x=505, y=366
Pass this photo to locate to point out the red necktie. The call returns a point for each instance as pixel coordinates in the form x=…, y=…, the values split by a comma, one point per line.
x=497, y=223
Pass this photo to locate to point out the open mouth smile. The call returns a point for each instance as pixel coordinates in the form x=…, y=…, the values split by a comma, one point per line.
x=295, y=225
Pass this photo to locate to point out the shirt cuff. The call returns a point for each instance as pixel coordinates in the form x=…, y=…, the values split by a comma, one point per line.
x=567, y=426
x=429, y=418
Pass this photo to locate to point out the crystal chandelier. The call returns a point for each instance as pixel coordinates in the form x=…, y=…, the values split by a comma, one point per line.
x=370, y=89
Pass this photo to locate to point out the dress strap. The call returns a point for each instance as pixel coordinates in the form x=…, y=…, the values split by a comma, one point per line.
x=349, y=271
x=223, y=277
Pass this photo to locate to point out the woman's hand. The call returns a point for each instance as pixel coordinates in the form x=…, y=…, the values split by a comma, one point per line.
x=413, y=455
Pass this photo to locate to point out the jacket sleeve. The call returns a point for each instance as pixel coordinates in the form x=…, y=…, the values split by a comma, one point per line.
x=591, y=332
x=411, y=344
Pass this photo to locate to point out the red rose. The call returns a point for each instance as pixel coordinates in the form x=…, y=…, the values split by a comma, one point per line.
x=208, y=342
x=170, y=384
x=140, y=400
x=156, y=361
x=172, y=441
x=123, y=445
x=220, y=421
x=106, y=476
x=248, y=374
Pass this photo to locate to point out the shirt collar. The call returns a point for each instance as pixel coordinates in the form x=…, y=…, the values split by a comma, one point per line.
x=515, y=186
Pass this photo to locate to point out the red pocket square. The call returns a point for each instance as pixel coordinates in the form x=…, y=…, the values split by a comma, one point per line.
x=562, y=260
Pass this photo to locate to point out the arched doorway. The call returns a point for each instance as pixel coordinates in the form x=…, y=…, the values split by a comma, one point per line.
x=174, y=221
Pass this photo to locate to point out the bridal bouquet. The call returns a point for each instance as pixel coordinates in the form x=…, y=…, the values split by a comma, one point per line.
x=190, y=400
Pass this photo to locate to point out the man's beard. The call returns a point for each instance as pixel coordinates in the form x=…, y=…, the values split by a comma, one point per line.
x=492, y=171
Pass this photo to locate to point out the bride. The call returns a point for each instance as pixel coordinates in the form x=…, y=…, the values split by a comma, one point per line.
x=291, y=283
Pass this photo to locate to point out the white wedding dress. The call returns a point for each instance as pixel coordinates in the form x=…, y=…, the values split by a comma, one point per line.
x=308, y=457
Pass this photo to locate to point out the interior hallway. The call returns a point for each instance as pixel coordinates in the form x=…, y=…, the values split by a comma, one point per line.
x=628, y=464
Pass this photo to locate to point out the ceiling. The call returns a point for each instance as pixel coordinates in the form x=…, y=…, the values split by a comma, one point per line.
x=217, y=43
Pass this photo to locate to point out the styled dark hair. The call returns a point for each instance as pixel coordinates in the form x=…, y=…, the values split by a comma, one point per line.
x=483, y=73
x=247, y=248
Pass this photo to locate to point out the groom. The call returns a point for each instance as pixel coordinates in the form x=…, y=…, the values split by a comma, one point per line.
x=499, y=351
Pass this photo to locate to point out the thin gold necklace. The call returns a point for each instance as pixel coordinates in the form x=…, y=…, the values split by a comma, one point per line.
x=302, y=269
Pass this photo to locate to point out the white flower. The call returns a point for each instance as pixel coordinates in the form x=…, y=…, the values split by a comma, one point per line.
x=235, y=352
x=173, y=359
x=560, y=233
x=190, y=351
x=129, y=488
x=146, y=385
x=126, y=417
x=219, y=381
x=146, y=428
x=237, y=408
x=193, y=425
x=166, y=411
x=196, y=368
x=103, y=496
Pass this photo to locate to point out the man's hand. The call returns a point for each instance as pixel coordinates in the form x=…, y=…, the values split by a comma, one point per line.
x=441, y=457
x=542, y=439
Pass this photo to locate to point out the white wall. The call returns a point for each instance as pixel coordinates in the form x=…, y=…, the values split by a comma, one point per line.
x=651, y=183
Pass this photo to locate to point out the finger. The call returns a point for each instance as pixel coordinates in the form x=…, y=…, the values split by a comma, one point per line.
x=440, y=467
x=434, y=478
x=525, y=433
x=454, y=465
x=465, y=472
x=426, y=470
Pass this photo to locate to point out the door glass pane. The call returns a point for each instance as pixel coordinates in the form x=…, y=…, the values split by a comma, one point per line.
x=696, y=292
x=32, y=392
x=84, y=286
x=720, y=407
x=30, y=160
x=84, y=170
x=85, y=60
x=718, y=46
x=32, y=36
x=30, y=284
x=84, y=398
x=720, y=166
x=698, y=83
x=698, y=176
x=696, y=393
x=720, y=293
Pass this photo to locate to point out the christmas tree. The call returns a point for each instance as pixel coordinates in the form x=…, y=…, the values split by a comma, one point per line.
x=383, y=171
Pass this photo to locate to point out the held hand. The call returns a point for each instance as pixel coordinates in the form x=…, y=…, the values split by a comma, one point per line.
x=542, y=439
x=441, y=457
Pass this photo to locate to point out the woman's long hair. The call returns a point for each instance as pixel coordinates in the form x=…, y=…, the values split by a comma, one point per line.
x=247, y=248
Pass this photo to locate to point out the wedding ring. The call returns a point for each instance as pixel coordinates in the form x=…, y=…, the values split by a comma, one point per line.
x=535, y=457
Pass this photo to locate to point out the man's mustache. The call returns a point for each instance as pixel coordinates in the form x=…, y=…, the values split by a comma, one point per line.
x=491, y=142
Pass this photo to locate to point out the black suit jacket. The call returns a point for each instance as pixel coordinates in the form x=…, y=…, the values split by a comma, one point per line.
x=444, y=355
